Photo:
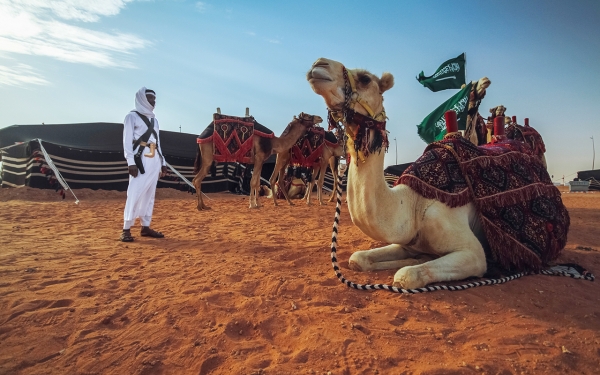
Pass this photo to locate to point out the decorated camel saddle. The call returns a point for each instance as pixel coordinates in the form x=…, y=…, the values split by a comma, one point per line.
x=523, y=217
x=308, y=149
x=232, y=137
x=528, y=135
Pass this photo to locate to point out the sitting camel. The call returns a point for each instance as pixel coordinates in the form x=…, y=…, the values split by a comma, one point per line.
x=430, y=241
x=262, y=148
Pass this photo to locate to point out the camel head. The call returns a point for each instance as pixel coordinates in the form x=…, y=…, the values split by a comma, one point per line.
x=300, y=125
x=354, y=98
x=308, y=120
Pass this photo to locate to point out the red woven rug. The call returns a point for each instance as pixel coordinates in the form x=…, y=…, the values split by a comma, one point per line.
x=308, y=149
x=232, y=137
x=523, y=217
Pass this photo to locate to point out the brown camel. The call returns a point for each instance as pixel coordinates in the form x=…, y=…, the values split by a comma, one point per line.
x=262, y=148
x=329, y=156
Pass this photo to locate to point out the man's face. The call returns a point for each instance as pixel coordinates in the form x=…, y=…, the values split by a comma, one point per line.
x=151, y=99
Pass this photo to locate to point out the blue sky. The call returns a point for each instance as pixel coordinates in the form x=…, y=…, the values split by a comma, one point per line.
x=67, y=61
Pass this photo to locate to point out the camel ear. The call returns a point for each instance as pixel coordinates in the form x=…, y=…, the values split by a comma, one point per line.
x=386, y=82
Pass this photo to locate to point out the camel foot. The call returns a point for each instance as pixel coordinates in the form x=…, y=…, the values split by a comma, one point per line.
x=291, y=203
x=322, y=204
x=354, y=266
x=411, y=277
x=203, y=208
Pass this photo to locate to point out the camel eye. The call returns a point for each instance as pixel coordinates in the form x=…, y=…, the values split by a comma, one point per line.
x=364, y=79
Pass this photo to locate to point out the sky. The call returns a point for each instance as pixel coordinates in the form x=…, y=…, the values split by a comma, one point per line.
x=78, y=61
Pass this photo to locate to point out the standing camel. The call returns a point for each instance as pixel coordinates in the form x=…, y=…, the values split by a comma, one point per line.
x=430, y=240
x=330, y=156
x=262, y=148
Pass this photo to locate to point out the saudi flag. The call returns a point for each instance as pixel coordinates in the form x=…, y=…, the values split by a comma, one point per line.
x=450, y=75
x=433, y=127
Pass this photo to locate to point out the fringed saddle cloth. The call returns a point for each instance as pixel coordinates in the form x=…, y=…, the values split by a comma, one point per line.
x=308, y=149
x=523, y=217
x=232, y=137
x=528, y=135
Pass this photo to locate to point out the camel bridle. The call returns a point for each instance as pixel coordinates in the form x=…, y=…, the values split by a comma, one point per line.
x=347, y=115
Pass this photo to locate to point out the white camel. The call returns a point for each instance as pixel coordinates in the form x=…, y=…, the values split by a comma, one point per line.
x=430, y=242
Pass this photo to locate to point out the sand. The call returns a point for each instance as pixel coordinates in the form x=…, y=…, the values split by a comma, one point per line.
x=239, y=291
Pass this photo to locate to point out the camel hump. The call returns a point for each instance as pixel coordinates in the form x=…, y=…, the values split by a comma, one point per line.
x=208, y=132
x=266, y=132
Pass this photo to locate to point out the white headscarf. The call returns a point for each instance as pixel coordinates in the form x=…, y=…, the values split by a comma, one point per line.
x=142, y=105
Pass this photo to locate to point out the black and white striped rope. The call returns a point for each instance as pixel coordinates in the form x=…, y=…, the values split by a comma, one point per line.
x=557, y=271
x=57, y=174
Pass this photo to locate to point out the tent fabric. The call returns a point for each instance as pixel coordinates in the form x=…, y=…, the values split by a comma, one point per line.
x=593, y=176
x=91, y=156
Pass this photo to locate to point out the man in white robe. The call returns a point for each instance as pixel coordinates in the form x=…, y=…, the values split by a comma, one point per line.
x=142, y=186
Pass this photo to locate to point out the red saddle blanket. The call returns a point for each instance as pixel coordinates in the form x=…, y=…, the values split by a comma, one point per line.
x=521, y=211
x=308, y=149
x=232, y=137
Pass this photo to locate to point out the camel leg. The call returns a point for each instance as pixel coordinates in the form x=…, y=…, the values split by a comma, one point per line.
x=464, y=254
x=207, y=159
x=319, y=182
x=255, y=180
x=384, y=258
x=334, y=172
x=311, y=183
x=280, y=163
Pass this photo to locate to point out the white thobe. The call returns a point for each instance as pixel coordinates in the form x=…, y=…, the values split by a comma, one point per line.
x=141, y=189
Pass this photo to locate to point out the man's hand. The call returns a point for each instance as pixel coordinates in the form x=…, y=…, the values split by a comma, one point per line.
x=133, y=170
x=163, y=171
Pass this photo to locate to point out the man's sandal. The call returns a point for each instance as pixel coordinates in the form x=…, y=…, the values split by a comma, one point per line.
x=126, y=237
x=148, y=232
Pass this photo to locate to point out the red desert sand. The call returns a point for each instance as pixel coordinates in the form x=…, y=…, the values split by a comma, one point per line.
x=239, y=291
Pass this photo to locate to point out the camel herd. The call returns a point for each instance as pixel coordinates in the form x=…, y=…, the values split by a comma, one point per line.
x=429, y=241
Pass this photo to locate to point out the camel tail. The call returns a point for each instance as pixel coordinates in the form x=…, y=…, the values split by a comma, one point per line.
x=198, y=161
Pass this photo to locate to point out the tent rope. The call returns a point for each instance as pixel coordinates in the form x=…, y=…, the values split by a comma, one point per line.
x=559, y=270
x=57, y=174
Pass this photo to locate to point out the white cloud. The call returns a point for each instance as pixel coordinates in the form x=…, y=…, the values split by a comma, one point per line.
x=251, y=33
x=201, y=6
x=20, y=75
x=38, y=27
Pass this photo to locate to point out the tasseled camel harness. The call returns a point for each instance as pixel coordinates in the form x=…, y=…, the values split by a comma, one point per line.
x=347, y=115
x=364, y=146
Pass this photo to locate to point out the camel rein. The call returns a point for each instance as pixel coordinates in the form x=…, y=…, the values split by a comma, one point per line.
x=553, y=271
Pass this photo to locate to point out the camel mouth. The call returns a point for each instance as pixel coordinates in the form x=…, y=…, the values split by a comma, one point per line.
x=319, y=73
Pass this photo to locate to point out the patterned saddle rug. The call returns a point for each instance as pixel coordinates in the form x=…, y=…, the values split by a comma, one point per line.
x=521, y=211
x=232, y=137
x=528, y=135
x=308, y=149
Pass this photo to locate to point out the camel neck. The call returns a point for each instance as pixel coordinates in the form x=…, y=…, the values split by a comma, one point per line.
x=370, y=200
x=287, y=140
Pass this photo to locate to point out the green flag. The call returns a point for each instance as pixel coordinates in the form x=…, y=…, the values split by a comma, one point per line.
x=433, y=127
x=450, y=75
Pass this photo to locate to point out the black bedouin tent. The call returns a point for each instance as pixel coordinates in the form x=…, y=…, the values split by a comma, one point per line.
x=593, y=176
x=392, y=172
x=90, y=155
